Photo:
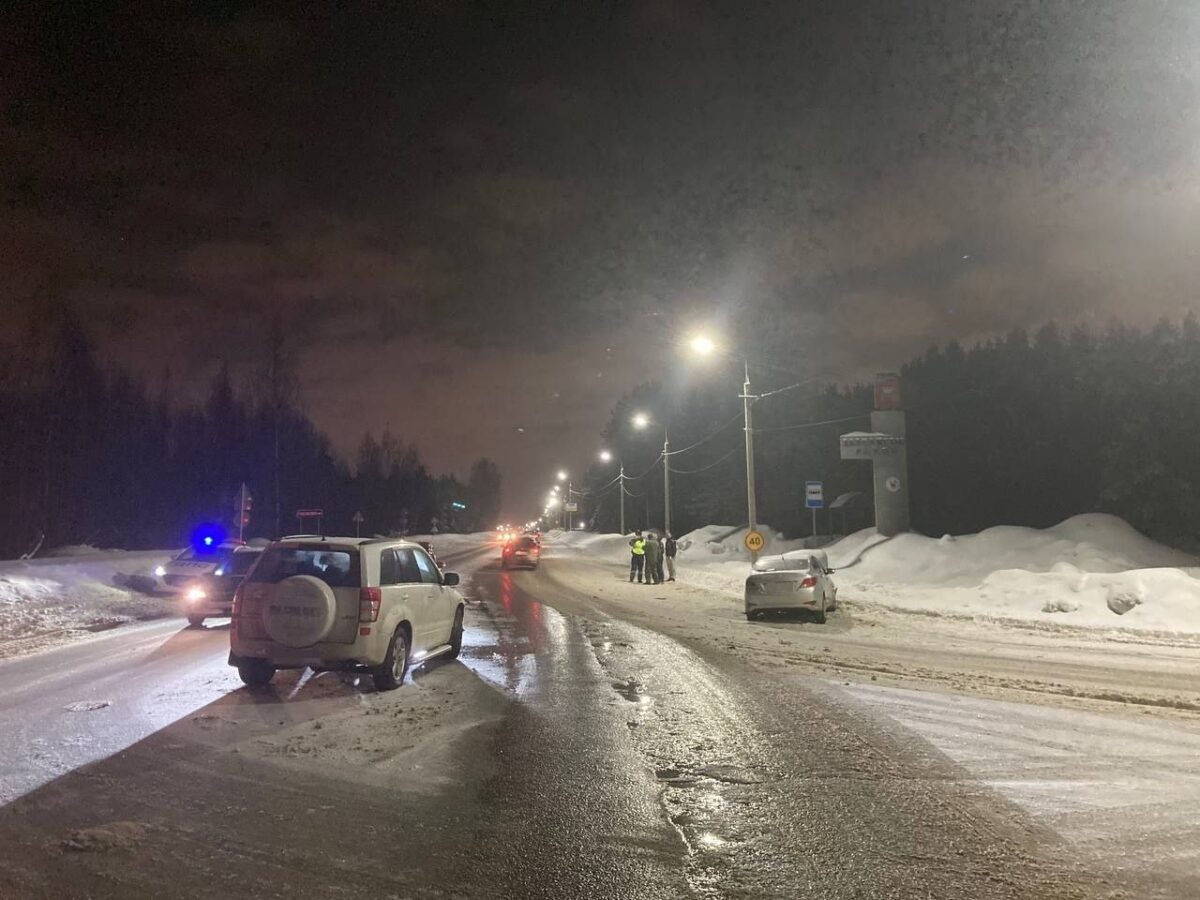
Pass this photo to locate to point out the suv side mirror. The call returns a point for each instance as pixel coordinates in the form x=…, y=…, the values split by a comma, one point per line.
x=450, y=579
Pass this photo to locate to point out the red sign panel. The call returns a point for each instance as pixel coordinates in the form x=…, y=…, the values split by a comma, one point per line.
x=309, y=513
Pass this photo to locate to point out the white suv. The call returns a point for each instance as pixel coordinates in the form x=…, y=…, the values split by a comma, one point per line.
x=344, y=603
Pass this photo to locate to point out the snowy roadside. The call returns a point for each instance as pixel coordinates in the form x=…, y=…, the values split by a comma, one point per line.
x=1092, y=571
x=49, y=601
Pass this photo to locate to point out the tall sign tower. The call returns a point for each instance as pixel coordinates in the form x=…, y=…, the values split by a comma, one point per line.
x=884, y=446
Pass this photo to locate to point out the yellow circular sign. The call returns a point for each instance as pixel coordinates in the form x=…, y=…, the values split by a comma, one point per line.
x=755, y=541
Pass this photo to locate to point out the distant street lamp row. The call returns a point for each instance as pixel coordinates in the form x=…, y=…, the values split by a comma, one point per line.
x=705, y=346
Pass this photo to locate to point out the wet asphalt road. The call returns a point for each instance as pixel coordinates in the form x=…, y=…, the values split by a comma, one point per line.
x=590, y=758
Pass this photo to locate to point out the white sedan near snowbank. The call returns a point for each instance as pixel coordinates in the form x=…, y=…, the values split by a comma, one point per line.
x=789, y=583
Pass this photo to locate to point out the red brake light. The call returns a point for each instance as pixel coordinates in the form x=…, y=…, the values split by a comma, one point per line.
x=809, y=582
x=369, y=599
x=237, y=602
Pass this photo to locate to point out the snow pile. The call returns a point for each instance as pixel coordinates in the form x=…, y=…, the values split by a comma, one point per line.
x=1091, y=570
x=1089, y=543
x=79, y=591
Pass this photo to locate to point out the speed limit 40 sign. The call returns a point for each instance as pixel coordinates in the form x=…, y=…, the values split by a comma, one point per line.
x=755, y=541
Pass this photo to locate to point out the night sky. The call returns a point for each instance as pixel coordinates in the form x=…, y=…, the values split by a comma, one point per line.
x=474, y=218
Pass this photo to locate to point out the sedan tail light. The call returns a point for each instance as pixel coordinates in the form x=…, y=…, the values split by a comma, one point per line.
x=369, y=599
x=809, y=582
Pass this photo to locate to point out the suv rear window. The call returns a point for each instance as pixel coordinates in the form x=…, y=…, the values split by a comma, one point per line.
x=337, y=568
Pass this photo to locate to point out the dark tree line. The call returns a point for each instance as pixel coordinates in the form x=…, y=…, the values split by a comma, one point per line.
x=89, y=456
x=1023, y=430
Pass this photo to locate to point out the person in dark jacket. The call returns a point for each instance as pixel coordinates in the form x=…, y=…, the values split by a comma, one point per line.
x=653, y=559
x=637, y=556
x=670, y=548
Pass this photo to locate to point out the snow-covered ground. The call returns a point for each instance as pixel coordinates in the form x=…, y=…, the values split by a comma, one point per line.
x=1079, y=572
x=80, y=590
x=77, y=590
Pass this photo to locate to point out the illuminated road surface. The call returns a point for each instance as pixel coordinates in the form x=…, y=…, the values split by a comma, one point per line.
x=569, y=754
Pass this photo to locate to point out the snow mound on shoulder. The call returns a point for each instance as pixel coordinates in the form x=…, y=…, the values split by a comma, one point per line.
x=79, y=592
x=1091, y=570
x=1088, y=543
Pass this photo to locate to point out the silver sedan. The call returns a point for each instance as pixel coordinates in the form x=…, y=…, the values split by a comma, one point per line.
x=791, y=582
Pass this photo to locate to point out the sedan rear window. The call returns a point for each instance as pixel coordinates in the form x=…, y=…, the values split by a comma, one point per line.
x=337, y=568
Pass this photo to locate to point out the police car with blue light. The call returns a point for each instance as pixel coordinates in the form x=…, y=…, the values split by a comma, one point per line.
x=208, y=554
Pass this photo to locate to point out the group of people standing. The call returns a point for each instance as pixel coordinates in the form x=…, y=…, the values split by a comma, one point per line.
x=648, y=553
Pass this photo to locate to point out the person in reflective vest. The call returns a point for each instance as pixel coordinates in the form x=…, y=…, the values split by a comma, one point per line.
x=637, y=556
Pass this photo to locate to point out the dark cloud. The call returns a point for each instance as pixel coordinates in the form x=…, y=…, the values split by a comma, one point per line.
x=476, y=201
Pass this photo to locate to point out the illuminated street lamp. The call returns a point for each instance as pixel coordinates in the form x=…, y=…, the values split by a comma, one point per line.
x=562, y=475
x=640, y=421
x=702, y=345
x=606, y=456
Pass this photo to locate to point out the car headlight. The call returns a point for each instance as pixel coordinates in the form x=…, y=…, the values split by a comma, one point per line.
x=159, y=571
x=195, y=595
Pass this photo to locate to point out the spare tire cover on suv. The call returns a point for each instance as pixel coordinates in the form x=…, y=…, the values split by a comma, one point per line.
x=300, y=611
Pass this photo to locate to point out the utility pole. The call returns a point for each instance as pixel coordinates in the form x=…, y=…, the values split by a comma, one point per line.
x=622, y=478
x=570, y=522
x=666, y=482
x=747, y=398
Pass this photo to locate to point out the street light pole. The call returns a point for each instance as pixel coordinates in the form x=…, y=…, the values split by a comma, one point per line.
x=666, y=482
x=751, y=506
x=621, y=476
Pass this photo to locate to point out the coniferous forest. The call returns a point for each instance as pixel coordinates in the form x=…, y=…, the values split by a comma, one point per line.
x=89, y=456
x=1019, y=430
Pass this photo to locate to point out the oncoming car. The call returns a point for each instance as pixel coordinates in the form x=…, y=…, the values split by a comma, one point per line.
x=786, y=582
x=369, y=605
x=212, y=595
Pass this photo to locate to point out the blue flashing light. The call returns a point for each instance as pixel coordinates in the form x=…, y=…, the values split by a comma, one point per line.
x=207, y=537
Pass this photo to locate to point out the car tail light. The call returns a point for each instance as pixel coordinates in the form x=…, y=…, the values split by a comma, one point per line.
x=369, y=599
x=237, y=603
x=809, y=582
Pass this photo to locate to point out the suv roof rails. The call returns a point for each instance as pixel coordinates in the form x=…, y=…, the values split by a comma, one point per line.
x=296, y=537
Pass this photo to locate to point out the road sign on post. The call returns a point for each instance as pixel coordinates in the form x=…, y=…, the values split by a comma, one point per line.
x=814, y=495
x=571, y=507
x=242, y=505
x=318, y=514
x=814, y=499
x=358, y=520
x=755, y=541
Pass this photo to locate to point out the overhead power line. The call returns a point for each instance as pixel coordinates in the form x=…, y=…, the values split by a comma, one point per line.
x=706, y=468
x=800, y=425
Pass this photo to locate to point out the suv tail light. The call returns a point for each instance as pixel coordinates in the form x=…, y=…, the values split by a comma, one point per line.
x=809, y=582
x=237, y=602
x=369, y=599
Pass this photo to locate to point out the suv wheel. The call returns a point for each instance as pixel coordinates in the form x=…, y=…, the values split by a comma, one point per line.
x=256, y=672
x=456, y=634
x=390, y=673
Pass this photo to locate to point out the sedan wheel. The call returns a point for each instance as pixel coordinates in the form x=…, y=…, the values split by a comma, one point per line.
x=456, y=635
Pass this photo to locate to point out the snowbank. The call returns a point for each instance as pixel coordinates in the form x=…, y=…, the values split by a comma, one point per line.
x=81, y=591
x=1079, y=572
